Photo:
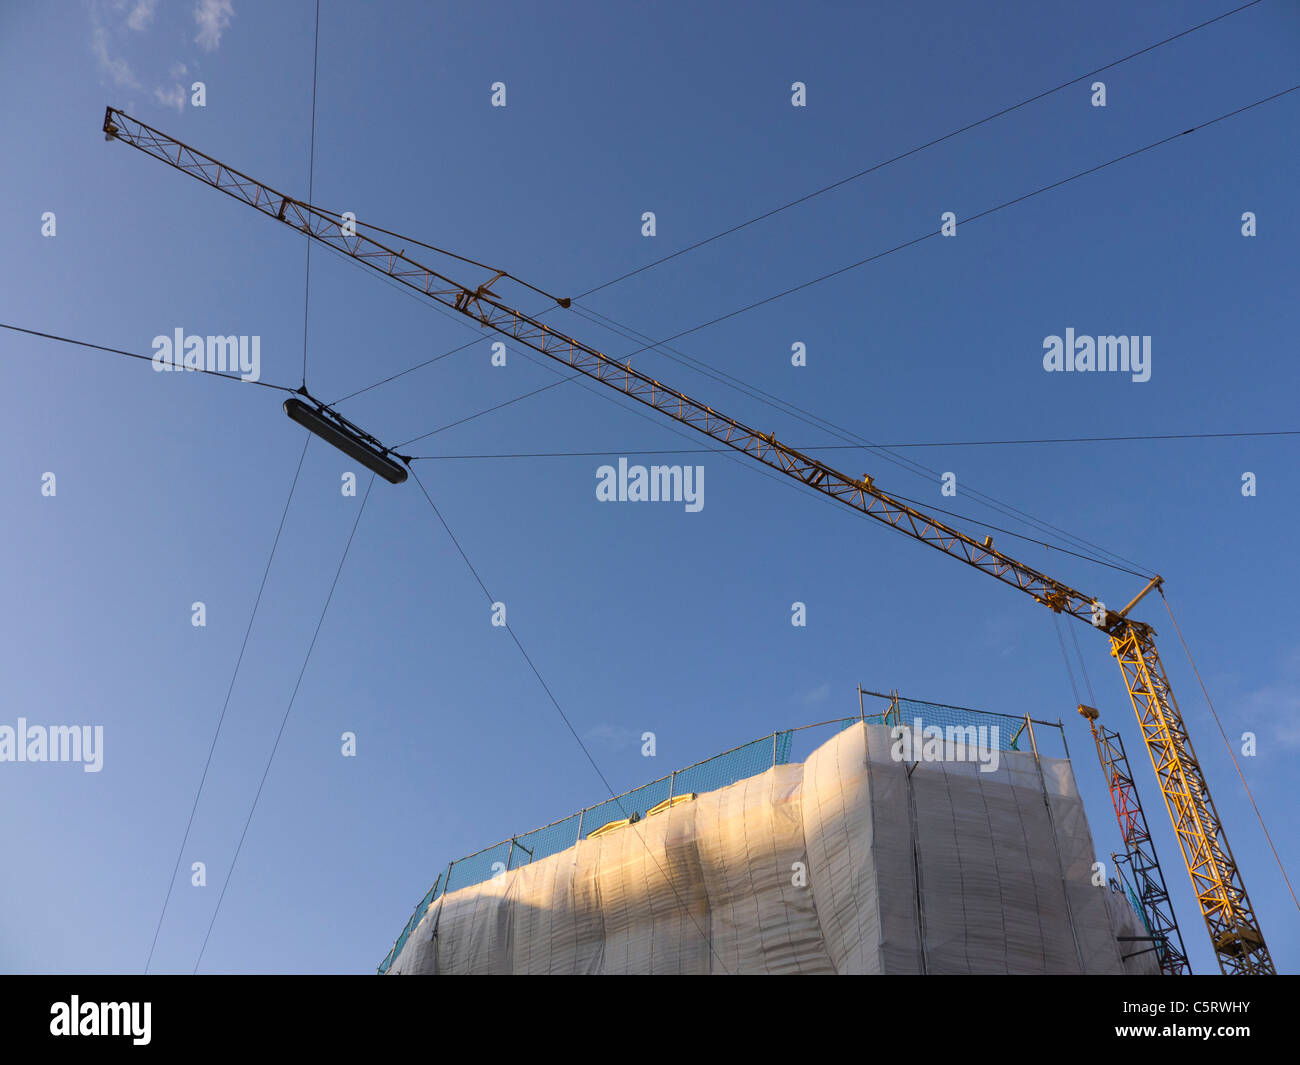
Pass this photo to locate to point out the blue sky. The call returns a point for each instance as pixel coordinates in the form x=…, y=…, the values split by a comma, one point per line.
x=641, y=617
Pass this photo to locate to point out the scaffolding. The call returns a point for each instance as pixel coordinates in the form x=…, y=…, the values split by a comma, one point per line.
x=1009, y=733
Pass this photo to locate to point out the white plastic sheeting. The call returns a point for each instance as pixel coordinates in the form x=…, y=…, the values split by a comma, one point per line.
x=849, y=863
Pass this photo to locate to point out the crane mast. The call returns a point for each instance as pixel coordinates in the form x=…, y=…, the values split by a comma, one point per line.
x=1230, y=920
x=1140, y=849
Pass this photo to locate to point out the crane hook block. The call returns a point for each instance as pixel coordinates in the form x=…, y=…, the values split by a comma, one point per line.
x=347, y=441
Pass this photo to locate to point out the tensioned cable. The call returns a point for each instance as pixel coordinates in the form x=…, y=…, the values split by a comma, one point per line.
x=135, y=355
x=311, y=185
x=968, y=220
x=723, y=451
x=855, y=447
x=428, y=362
x=1074, y=687
x=989, y=500
x=914, y=151
x=731, y=453
x=919, y=503
x=1083, y=667
x=1019, y=536
x=1231, y=753
x=283, y=721
x=910, y=465
x=226, y=704
x=283, y=388
x=759, y=468
x=906, y=244
x=207, y=764
x=809, y=196
x=489, y=410
x=568, y=724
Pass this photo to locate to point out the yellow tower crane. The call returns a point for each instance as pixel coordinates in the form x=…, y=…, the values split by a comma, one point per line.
x=1233, y=927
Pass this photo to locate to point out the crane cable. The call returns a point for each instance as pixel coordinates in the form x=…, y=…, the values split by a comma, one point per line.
x=730, y=453
x=920, y=148
x=899, y=247
x=802, y=199
x=1056, y=618
x=1083, y=667
x=968, y=219
x=311, y=178
x=137, y=355
x=569, y=724
x=856, y=439
x=257, y=602
x=1231, y=753
x=724, y=452
x=230, y=872
x=718, y=451
x=311, y=185
x=858, y=447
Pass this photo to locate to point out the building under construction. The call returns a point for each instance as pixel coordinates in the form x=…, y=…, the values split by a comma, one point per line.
x=926, y=840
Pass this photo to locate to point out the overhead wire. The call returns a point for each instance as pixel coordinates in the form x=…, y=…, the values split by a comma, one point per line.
x=910, y=465
x=725, y=452
x=856, y=447
x=306, y=308
x=1060, y=638
x=1083, y=667
x=136, y=355
x=656, y=346
x=568, y=724
x=1070, y=537
x=1228, y=746
x=1015, y=513
x=311, y=186
x=731, y=453
x=920, y=148
x=818, y=192
x=834, y=273
x=982, y=214
x=225, y=705
x=987, y=212
x=230, y=872
x=1020, y=536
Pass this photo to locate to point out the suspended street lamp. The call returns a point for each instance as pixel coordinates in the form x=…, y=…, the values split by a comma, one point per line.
x=354, y=442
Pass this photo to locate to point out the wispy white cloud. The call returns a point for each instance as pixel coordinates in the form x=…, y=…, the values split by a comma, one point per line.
x=110, y=22
x=173, y=97
x=212, y=17
x=819, y=694
x=1271, y=710
x=141, y=14
x=1276, y=706
x=114, y=66
x=614, y=736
